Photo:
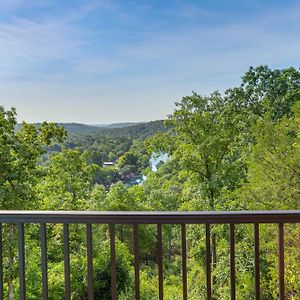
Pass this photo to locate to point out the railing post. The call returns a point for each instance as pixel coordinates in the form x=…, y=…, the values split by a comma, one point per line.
x=160, y=262
x=208, y=262
x=136, y=260
x=184, y=271
x=21, y=261
x=232, y=262
x=89, y=245
x=44, y=261
x=1, y=264
x=113, y=262
x=281, y=260
x=67, y=262
x=256, y=261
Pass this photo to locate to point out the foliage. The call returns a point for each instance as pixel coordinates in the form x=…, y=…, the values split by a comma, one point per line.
x=231, y=151
x=67, y=182
x=19, y=154
x=273, y=178
x=102, y=280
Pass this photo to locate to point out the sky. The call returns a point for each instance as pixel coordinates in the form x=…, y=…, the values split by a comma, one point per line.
x=106, y=61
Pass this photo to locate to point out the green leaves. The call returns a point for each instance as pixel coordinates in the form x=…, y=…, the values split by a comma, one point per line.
x=68, y=181
x=266, y=90
x=19, y=154
x=208, y=142
x=274, y=164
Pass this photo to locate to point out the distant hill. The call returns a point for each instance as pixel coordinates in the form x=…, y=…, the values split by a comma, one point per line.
x=114, y=141
x=78, y=127
x=113, y=138
x=122, y=125
x=84, y=128
x=116, y=125
x=138, y=131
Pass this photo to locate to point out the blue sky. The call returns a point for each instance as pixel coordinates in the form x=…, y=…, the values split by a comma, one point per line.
x=101, y=61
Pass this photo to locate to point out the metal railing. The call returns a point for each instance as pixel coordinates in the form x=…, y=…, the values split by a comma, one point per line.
x=135, y=218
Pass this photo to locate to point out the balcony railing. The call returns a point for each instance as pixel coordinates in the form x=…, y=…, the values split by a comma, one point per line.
x=135, y=219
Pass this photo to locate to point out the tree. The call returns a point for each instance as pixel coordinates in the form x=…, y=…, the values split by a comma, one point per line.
x=68, y=181
x=94, y=156
x=19, y=155
x=102, y=282
x=19, y=169
x=129, y=159
x=207, y=140
x=272, y=182
x=273, y=177
x=266, y=90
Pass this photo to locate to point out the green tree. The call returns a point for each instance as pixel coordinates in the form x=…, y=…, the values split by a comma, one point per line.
x=19, y=155
x=273, y=177
x=68, y=181
x=19, y=169
x=102, y=282
x=266, y=90
x=207, y=141
x=129, y=159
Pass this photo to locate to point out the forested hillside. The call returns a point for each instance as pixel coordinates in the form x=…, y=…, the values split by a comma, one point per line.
x=238, y=150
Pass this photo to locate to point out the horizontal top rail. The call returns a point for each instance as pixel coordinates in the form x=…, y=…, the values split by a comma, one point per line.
x=150, y=217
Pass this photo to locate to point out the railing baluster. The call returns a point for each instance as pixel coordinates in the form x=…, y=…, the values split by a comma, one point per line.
x=256, y=261
x=208, y=262
x=160, y=262
x=67, y=262
x=184, y=272
x=21, y=259
x=20, y=218
x=232, y=262
x=1, y=264
x=89, y=244
x=136, y=260
x=281, y=260
x=44, y=261
x=113, y=262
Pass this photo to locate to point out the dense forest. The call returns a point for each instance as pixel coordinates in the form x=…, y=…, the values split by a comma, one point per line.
x=237, y=150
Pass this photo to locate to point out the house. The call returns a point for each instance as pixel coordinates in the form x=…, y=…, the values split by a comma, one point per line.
x=107, y=164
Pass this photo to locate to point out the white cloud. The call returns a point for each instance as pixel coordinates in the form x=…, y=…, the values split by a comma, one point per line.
x=30, y=47
x=25, y=45
x=27, y=39
x=223, y=50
